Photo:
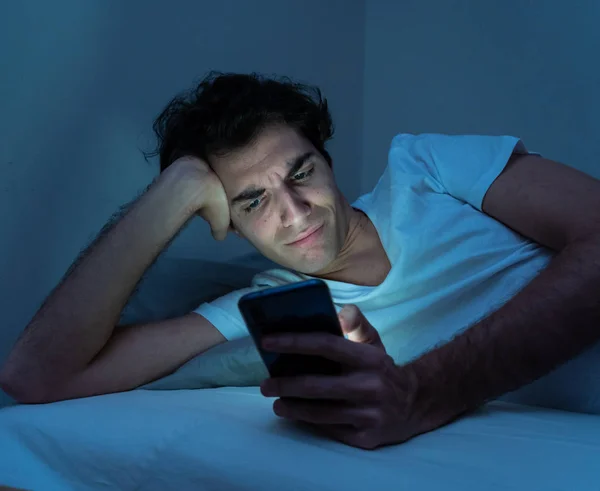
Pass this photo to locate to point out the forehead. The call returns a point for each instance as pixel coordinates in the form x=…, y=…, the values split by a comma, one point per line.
x=272, y=148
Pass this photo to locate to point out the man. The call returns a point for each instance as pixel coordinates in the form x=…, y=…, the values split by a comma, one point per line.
x=467, y=233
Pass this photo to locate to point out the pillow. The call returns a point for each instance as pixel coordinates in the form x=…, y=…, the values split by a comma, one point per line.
x=174, y=286
x=573, y=386
x=233, y=363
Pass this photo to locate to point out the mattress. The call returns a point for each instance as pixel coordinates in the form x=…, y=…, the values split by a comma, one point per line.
x=229, y=439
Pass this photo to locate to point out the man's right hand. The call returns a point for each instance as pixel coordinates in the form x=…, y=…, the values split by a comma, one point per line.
x=71, y=347
x=211, y=200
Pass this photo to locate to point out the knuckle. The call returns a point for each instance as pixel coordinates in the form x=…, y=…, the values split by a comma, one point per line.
x=377, y=358
x=365, y=439
x=323, y=344
x=374, y=388
x=371, y=418
x=384, y=361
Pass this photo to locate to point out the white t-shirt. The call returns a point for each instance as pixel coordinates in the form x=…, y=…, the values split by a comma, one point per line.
x=451, y=264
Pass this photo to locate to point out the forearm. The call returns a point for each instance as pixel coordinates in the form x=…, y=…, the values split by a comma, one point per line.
x=553, y=319
x=77, y=319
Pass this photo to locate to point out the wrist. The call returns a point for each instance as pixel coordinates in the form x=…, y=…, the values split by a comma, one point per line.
x=183, y=189
x=435, y=394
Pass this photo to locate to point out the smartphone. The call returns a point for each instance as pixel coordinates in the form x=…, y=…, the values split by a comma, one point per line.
x=299, y=307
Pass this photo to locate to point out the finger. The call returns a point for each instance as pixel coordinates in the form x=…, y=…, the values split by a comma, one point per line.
x=326, y=412
x=219, y=220
x=356, y=387
x=219, y=226
x=366, y=438
x=328, y=346
x=357, y=328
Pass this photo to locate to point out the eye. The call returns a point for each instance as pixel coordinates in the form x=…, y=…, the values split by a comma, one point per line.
x=303, y=175
x=254, y=204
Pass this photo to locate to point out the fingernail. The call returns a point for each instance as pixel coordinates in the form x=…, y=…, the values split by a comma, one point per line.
x=268, y=343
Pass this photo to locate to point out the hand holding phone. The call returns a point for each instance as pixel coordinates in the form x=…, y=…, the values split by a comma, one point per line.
x=299, y=307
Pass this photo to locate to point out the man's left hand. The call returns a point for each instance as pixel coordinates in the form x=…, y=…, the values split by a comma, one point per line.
x=372, y=403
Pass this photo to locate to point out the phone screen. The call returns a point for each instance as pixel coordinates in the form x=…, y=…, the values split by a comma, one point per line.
x=299, y=307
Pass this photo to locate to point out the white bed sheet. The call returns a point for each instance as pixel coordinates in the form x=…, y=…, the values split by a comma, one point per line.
x=228, y=439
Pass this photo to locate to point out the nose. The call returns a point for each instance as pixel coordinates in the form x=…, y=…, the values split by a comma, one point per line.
x=294, y=208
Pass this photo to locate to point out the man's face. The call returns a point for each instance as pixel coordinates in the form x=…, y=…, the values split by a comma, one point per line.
x=284, y=200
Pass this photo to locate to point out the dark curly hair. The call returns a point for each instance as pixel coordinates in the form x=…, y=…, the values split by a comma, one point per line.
x=226, y=112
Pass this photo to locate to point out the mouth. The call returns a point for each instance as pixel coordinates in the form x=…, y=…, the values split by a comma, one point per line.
x=308, y=237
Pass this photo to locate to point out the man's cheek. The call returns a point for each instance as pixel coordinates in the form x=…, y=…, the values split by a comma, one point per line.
x=264, y=224
x=259, y=232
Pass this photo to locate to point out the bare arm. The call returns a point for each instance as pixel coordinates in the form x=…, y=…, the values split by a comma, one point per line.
x=63, y=352
x=553, y=319
x=138, y=354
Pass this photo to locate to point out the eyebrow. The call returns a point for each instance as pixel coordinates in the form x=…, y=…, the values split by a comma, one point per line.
x=295, y=165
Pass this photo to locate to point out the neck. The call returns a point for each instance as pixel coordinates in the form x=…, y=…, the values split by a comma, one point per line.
x=361, y=246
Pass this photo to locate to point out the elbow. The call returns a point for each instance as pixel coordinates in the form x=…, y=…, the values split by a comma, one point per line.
x=20, y=389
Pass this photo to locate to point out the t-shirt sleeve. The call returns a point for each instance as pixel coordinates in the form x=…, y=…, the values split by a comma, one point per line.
x=224, y=314
x=464, y=165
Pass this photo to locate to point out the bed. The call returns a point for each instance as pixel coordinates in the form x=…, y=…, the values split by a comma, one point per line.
x=206, y=426
x=228, y=439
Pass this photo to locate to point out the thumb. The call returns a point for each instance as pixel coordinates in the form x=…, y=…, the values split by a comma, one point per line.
x=357, y=328
x=218, y=220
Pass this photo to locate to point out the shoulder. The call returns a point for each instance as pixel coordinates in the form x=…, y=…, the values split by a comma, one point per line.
x=410, y=152
x=437, y=152
x=427, y=142
x=420, y=141
x=414, y=155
